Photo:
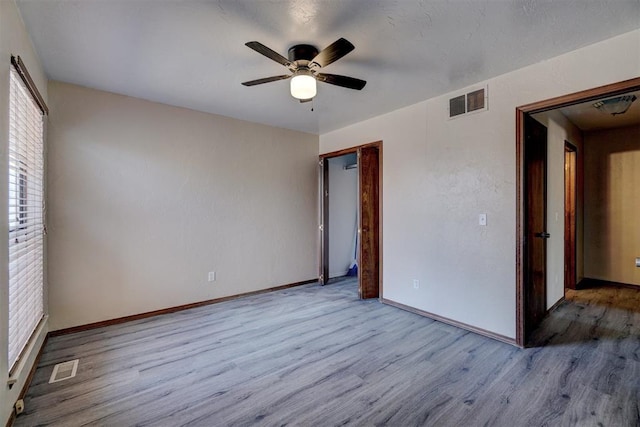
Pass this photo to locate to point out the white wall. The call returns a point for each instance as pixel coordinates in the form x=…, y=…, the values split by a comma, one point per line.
x=343, y=205
x=559, y=130
x=145, y=199
x=14, y=40
x=612, y=204
x=439, y=174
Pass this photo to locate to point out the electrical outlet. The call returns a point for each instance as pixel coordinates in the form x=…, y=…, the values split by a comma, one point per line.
x=416, y=284
x=212, y=276
x=19, y=406
x=482, y=219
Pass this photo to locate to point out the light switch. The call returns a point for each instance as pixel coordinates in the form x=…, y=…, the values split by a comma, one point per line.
x=482, y=219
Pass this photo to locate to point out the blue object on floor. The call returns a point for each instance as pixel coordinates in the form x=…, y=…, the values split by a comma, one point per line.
x=353, y=271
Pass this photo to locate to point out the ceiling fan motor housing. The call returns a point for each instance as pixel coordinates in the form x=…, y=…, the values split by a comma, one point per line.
x=304, y=52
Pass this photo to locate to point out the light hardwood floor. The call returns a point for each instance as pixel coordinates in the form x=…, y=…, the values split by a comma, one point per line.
x=315, y=355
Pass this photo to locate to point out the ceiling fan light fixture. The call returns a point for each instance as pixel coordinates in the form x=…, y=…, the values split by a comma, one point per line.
x=304, y=62
x=615, y=106
x=303, y=85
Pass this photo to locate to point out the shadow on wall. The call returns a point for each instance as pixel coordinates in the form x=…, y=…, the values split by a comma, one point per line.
x=612, y=203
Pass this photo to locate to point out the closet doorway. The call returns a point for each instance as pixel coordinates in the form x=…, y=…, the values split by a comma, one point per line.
x=350, y=236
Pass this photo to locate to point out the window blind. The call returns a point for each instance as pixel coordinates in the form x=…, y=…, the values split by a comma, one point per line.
x=26, y=216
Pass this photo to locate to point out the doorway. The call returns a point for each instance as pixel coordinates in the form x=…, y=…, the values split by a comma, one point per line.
x=526, y=313
x=570, y=219
x=369, y=201
x=342, y=220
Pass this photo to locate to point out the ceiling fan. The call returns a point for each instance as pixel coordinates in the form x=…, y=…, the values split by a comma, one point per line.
x=304, y=63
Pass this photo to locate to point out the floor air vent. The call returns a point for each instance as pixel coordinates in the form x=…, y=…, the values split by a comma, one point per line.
x=64, y=371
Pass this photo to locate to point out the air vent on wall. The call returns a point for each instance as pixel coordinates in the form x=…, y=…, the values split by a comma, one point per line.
x=470, y=102
x=64, y=371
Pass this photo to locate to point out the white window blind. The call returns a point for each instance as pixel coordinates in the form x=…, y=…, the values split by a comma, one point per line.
x=26, y=212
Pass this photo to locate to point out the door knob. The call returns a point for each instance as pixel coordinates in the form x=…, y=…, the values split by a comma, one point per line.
x=543, y=235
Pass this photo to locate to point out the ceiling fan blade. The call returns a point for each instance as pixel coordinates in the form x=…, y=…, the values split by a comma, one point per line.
x=266, y=80
x=271, y=54
x=333, y=52
x=344, y=81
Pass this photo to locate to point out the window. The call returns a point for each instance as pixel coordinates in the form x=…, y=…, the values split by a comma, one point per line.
x=26, y=210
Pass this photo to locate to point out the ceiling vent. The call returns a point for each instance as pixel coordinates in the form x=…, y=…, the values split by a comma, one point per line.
x=470, y=102
x=64, y=371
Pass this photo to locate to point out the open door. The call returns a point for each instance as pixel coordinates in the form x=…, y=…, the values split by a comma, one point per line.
x=570, y=179
x=323, y=193
x=535, y=257
x=368, y=264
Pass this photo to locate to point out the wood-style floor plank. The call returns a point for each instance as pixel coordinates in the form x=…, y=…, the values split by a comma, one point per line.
x=318, y=356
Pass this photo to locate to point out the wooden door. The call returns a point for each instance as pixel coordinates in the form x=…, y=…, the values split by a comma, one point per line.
x=323, y=227
x=570, y=177
x=368, y=267
x=535, y=188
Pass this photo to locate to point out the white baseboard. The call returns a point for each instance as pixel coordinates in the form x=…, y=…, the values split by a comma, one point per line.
x=333, y=275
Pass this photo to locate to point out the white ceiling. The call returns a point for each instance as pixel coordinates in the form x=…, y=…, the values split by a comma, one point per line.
x=587, y=117
x=192, y=54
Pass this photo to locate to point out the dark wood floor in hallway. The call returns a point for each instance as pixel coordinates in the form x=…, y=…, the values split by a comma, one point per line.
x=318, y=356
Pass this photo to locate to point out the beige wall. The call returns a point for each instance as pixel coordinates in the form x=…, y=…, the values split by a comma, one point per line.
x=612, y=205
x=559, y=130
x=145, y=199
x=14, y=40
x=439, y=174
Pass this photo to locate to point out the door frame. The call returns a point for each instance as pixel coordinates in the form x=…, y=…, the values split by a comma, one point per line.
x=538, y=107
x=324, y=212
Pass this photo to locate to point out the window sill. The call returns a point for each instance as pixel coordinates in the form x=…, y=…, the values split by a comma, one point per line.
x=29, y=355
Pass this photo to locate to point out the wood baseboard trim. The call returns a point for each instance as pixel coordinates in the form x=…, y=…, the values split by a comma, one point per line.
x=556, y=305
x=587, y=283
x=27, y=383
x=168, y=310
x=451, y=322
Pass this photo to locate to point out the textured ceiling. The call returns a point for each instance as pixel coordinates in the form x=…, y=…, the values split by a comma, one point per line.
x=192, y=54
x=587, y=117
